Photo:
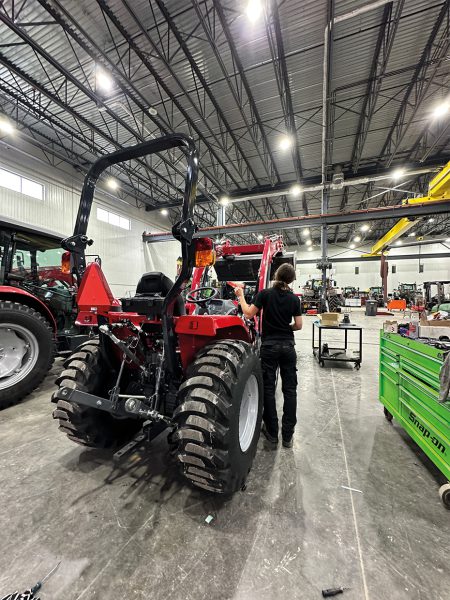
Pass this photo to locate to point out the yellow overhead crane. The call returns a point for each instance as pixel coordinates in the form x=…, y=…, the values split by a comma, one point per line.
x=438, y=189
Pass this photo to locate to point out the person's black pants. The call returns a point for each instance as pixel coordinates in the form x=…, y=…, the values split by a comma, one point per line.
x=274, y=356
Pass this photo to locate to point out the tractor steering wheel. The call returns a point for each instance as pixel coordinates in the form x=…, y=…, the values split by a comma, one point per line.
x=202, y=302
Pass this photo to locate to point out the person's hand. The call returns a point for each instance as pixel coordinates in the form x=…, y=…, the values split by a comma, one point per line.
x=239, y=292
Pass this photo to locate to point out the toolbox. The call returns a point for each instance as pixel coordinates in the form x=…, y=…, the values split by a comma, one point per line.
x=409, y=391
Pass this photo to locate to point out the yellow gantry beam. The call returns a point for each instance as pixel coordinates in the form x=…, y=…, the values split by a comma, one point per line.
x=438, y=189
x=397, y=231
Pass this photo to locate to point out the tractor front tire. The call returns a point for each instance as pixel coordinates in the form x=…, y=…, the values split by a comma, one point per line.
x=27, y=350
x=219, y=417
x=85, y=371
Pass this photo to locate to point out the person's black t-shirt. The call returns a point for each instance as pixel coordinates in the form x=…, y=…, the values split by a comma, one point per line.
x=279, y=307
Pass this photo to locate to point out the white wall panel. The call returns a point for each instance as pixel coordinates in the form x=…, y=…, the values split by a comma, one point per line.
x=407, y=271
x=124, y=257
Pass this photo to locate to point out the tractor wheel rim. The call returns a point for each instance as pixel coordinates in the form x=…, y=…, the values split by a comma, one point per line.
x=19, y=351
x=248, y=414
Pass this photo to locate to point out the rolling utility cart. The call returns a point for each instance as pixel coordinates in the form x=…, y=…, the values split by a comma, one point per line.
x=409, y=390
x=337, y=354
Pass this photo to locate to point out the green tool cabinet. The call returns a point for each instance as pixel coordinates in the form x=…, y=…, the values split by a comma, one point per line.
x=409, y=390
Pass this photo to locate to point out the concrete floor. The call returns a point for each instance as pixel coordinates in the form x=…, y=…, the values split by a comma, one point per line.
x=138, y=532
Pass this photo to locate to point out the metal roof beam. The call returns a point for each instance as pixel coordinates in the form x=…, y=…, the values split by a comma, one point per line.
x=257, y=132
x=254, y=121
x=127, y=87
x=435, y=51
x=76, y=83
x=380, y=60
x=22, y=98
x=356, y=216
x=216, y=159
x=352, y=259
x=244, y=166
x=276, y=46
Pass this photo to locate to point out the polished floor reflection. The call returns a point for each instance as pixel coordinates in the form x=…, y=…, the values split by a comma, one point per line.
x=353, y=504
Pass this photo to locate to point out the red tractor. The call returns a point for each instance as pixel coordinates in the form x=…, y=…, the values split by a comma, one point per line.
x=37, y=308
x=160, y=361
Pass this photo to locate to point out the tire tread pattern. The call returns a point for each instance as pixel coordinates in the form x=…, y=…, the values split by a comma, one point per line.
x=84, y=425
x=206, y=401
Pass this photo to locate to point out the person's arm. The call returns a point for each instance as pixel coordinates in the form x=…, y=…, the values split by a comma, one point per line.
x=249, y=311
x=298, y=321
x=297, y=324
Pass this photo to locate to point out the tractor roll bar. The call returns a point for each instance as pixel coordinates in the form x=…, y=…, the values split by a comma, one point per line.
x=183, y=230
x=78, y=241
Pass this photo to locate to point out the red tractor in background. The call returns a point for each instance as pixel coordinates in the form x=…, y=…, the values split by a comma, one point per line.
x=37, y=308
x=160, y=362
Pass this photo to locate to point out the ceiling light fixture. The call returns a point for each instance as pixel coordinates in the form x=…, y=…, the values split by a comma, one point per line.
x=260, y=236
x=285, y=143
x=398, y=243
x=398, y=174
x=308, y=242
x=364, y=228
x=6, y=126
x=104, y=81
x=352, y=246
x=412, y=234
x=112, y=184
x=305, y=231
x=295, y=190
x=431, y=220
x=357, y=238
x=310, y=249
x=224, y=200
x=164, y=212
x=441, y=110
x=253, y=10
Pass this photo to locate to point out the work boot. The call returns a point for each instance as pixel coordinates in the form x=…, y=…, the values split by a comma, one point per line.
x=270, y=438
x=288, y=442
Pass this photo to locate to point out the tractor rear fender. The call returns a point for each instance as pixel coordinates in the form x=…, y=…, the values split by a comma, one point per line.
x=15, y=294
x=196, y=331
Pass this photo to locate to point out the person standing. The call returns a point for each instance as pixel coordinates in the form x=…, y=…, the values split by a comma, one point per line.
x=279, y=306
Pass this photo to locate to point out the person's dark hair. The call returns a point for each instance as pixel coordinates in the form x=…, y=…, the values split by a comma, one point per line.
x=284, y=276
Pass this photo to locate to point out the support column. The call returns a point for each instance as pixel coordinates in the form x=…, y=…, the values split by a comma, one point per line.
x=221, y=215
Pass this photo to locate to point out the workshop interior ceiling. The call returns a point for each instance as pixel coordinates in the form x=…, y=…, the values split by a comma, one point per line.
x=237, y=87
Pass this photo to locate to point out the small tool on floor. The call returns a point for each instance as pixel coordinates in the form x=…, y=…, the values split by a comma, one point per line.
x=333, y=592
x=31, y=593
x=40, y=583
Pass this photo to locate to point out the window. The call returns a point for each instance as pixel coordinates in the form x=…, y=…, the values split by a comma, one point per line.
x=20, y=184
x=421, y=268
x=113, y=219
x=9, y=180
x=394, y=269
x=356, y=270
x=33, y=189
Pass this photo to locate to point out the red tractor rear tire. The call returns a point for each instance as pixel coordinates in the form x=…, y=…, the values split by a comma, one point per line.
x=85, y=371
x=219, y=418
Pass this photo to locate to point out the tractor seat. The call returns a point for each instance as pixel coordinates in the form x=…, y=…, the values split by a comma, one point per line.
x=151, y=290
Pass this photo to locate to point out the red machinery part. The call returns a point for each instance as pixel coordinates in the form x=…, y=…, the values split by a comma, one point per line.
x=195, y=332
x=94, y=296
x=16, y=294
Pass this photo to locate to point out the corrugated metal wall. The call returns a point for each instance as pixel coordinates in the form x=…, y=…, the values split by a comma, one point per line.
x=124, y=257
